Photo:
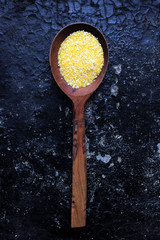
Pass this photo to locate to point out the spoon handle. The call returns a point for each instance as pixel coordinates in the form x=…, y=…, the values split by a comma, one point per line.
x=79, y=170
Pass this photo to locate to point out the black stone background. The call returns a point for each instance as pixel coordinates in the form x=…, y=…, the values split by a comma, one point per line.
x=122, y=124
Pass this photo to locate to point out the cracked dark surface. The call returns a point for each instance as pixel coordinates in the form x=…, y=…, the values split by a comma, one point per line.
x=122, y=124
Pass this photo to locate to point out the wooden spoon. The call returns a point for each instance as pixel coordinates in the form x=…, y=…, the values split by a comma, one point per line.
x=79, y=97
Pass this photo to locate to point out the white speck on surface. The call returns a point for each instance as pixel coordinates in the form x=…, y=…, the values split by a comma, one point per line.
x=60, y=108
x=117, y=105
x=111, y=165
x=104, y=159
x=118, y=136
x=66, y=111
x=119, y=159
x=53, y=153
x=93, y=193
x=156, y=183
x=89, y=154
x=118, y=69
x=56, y=173
x=114, y=90
x=103, y=176
x=158, y=146
x=102, y=141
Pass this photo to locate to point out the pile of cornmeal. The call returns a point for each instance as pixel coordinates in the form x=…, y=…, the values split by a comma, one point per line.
x=80, y=59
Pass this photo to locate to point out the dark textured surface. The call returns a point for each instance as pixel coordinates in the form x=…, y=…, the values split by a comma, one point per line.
x=122, y=124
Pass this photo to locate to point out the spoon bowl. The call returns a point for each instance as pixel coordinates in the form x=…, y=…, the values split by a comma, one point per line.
x=53, y=58
x=79, y=97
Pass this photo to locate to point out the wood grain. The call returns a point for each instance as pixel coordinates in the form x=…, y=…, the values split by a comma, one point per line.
x=79, y=170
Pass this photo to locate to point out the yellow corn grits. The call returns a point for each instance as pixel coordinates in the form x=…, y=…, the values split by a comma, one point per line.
x=80, y=59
